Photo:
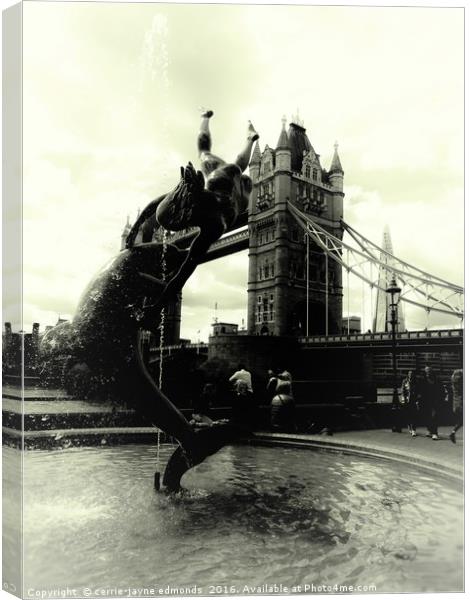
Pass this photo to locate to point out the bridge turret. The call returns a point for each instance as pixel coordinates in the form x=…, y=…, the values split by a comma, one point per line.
x=125, y=233
x=255, y=163
x=336, y=178
x=336, y=173
x=283, y=152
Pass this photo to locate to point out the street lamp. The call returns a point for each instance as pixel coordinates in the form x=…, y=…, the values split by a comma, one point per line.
x=394, y=292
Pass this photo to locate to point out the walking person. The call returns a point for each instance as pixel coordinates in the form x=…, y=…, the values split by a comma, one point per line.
x=410, y=397
x=457, y=402
x=431, y=401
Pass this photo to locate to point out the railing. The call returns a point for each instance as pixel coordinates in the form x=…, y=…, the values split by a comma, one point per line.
x=230, y=239
x=175, y=347
x=383, y=336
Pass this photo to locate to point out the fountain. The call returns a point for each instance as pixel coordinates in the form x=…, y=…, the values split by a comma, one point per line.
x=253, y=520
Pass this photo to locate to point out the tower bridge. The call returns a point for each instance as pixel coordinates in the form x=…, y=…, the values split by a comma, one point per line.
x=294, y=231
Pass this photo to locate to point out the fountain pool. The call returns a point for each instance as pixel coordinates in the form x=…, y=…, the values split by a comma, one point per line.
x=253, y=516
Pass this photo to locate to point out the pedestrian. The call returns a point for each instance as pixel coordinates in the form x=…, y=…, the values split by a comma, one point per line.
x=242, y=375
x=431, y=400
x=282, y=403
x=410, y=398
x=457, y=402
x=285, y=376
x=243, y=407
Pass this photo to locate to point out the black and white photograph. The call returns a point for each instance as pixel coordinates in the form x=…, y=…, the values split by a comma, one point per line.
x=233, y=299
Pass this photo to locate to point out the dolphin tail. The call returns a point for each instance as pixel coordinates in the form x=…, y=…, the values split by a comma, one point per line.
x=207, y=442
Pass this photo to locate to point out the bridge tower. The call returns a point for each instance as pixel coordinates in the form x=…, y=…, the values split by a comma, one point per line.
x=278, y=294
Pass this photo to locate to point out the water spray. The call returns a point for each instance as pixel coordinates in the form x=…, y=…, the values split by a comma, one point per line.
x=161, y=344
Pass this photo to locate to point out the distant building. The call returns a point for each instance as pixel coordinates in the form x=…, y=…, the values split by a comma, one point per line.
x=382, y=304
x=354, y=325
x=18, y=348
x=224, y=329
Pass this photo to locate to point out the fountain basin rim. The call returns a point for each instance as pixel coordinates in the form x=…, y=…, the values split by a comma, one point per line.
x=92, y=437
x=442, y=469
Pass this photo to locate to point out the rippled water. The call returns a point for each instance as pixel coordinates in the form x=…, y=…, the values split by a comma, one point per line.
x=253, y=516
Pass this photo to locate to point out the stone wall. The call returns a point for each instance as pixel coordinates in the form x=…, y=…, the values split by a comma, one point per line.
x=258, y=352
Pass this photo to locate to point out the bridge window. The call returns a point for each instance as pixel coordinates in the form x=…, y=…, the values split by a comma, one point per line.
x=265, y=309
x=314, y=174
x=307, y=171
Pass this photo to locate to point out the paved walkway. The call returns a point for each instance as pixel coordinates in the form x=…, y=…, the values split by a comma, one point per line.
x=441, y=454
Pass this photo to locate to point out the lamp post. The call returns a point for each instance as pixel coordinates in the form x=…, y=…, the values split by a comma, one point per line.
x=394, y=292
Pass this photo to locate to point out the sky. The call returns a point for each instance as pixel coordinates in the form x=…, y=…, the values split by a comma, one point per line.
x=112, y=95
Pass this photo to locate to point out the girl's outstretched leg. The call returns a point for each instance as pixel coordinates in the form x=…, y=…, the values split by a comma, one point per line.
x=204, y=139
x=243, y=158
x=209, y=162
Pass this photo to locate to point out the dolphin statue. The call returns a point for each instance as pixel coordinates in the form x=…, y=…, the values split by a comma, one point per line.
x=125, y=298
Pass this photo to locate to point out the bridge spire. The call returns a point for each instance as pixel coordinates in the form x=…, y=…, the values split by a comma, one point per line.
x=125, y=233
x=283, y=141
x=256, y=156
x=336, y=163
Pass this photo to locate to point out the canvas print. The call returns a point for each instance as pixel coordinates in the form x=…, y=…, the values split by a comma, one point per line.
x=232, y=299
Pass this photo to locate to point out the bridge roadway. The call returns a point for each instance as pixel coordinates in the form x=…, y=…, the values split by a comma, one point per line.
x=228, y=244
x=451, y=339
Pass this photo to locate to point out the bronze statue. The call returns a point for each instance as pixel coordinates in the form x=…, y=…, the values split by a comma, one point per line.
x=126, y=297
